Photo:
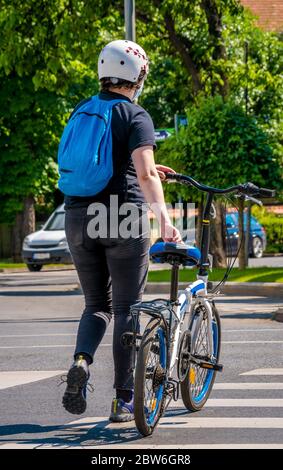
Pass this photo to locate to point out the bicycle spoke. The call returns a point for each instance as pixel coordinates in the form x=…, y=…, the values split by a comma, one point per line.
x=153, y=361
x=200, y=348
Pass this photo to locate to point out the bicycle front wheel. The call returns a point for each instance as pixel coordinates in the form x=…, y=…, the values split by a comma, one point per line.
x=198, y=383
x=150, y=374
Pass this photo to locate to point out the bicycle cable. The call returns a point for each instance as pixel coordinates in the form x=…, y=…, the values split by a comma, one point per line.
x=231, y=263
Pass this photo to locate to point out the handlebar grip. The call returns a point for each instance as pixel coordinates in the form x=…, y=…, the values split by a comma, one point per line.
x=264, y=192
x=170, y=176
x=251, y=189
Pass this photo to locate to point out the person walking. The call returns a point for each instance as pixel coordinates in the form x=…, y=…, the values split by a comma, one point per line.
x=112, y=267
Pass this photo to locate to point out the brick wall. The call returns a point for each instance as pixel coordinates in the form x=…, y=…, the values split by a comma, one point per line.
x=269, y=13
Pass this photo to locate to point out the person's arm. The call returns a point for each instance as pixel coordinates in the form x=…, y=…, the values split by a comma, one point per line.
x=151, y=186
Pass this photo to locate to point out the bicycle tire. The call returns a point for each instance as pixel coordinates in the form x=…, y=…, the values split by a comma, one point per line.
x=191, y=402
x=145, y=421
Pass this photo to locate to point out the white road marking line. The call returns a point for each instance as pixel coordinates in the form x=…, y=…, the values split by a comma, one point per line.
x=70, y=345
x=247, y=330
x=268, y=371
x=246, y=342
x=142, y=446
x=248, y=386
x=237, y=402
x=45, y=334
x=14, y=378
x=47, y=346
x=35, y=336
x=186, y=422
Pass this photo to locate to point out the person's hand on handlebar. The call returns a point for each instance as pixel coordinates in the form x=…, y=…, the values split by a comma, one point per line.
x=162, y=170
x=169, y=233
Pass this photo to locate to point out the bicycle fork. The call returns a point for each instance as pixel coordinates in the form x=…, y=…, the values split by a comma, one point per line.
x=205, y=362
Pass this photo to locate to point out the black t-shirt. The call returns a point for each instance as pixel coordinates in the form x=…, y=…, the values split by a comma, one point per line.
x=132, y=127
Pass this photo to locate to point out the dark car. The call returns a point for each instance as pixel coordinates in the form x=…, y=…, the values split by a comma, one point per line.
x=257, y=240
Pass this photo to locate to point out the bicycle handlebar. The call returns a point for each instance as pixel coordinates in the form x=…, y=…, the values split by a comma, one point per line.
x=248, y=189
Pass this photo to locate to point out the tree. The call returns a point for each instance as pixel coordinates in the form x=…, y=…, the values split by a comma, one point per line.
x=48, y=63
x=43, y=74
x=209, y=38
x=222, y=146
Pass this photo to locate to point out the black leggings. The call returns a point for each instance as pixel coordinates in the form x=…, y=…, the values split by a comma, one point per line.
x=112, y=273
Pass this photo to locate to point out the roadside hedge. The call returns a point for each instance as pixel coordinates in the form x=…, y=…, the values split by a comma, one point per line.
x=273, y=225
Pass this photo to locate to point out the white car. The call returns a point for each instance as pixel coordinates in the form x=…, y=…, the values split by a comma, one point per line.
x=47, y=245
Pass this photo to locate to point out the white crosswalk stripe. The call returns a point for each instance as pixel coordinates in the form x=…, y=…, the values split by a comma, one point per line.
x=144, y=446
x=14, y=378
x=269, y=371
x=187, y=422
x=248, y=386
x=238, y=402
x=199, y=422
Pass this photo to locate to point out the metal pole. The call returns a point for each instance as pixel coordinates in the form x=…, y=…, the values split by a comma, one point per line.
x=130, y=20
x=248, y=220
x=246, y=60
x=248, y=229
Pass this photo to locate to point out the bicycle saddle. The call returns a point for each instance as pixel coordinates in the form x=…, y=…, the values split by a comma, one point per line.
x=162, y=252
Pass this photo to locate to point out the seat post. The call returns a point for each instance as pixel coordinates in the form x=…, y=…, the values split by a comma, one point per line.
x=174, y=281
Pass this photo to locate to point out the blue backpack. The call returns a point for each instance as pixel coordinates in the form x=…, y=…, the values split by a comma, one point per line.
x=85, y=150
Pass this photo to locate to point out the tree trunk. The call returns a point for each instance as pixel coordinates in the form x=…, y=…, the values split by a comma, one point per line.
x=28, y=216
x=24, y=224
x=217, y=240
x=241, y=239
x=17, y=238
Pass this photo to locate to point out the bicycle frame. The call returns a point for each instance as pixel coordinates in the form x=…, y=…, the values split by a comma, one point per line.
x=183, y=301
x=195, y=292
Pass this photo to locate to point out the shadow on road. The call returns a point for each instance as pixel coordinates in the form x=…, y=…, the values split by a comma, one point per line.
x=100, y=433
x=40, y=293
x=262, y=316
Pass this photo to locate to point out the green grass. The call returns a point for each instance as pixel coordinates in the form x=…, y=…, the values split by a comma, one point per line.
x=237, y=275
x=7, y=263
x=186, y=275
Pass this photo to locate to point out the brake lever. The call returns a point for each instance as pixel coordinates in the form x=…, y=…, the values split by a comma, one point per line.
x=253, y=199
x=249, y=198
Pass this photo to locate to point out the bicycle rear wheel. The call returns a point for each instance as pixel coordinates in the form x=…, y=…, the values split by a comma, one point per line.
x=150, y=376
x=198, y=383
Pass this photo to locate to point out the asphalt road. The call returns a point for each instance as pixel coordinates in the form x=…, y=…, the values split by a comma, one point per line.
x=39, y=316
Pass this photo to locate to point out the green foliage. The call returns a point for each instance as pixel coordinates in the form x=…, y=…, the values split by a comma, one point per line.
x=48, y=60
x=222, y=146
x=273, y=225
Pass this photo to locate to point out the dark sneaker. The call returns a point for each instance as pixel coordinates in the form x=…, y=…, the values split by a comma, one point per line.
x=74, y=399
x=121, y=411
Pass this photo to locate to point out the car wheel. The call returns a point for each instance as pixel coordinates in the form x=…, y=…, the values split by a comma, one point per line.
x=34, y=267
x=257, y=247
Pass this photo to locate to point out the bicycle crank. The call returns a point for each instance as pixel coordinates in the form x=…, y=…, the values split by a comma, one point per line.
x=184, y=355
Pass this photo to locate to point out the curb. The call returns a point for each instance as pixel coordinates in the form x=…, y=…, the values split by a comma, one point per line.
x=263, y=289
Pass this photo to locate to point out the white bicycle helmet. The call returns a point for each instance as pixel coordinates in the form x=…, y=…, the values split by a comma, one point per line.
x=122, y=59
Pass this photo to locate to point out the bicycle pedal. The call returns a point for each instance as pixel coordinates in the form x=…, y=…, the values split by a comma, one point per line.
x=128, y=339
x=208, y=365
